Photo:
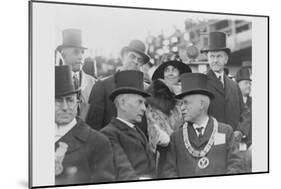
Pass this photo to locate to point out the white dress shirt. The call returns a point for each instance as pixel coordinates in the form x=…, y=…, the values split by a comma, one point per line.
x=63, y=129
x=203, y=125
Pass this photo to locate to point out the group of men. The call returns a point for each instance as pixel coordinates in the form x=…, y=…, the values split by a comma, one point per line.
x=101, y=125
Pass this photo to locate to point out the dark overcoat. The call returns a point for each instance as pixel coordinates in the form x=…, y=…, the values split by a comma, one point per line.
x=133, y=157
x=223, y=155
x=89, y=157
x=102, y=109
x=227, y=106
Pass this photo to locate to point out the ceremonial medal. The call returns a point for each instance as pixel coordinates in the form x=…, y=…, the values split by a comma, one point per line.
x=203, y=162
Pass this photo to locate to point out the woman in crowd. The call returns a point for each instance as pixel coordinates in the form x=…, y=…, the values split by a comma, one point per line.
x=163, y=111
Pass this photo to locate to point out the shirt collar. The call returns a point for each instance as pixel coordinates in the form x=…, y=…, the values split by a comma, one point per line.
x=204, y=125
x=62, y=130
x=126, y=122
x=220, y=74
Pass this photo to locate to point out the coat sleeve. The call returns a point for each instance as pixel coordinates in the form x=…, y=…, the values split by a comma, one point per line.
x=101, y=162
x=97, y=106
x=234, y=158
x=124, y=168
x=167, y=167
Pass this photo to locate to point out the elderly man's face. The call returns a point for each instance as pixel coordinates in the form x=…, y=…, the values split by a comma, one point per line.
x=134, y=108
x=65, y=109
x=73, y=57
x=132, y=60
x=217, y=60
x=191, y=107
x=245, y=86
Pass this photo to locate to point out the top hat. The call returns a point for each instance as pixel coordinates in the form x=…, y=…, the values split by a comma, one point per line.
x=63, y=81
x=136, y=46
x=243, y=74
x=71, y=38
x=194, y=83
x=159, y=72
x=128, y=81
x=217, y=42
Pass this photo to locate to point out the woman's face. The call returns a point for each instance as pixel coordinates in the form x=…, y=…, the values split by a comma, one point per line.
x=171, y=75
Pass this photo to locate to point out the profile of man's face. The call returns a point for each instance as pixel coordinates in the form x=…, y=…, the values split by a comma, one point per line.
x=132, y=60
x=217, y=60
x=65, y=109
x=245, y=86
x=191, y=107
x=74, y=57
x=133, y=107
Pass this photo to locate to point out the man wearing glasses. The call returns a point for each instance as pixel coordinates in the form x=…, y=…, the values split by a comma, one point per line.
x=101, y=111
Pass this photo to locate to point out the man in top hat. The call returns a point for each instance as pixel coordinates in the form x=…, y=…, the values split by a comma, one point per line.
x=243, y=78
x=227, y=106
x=82, y=155
x=102, y=109
x=133, y=157
x=72, y=52
x=202, y=146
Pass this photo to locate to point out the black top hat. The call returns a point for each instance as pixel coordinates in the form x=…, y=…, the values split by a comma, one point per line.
x=136, y=46
x=217, y=42
x=128, y=81
x=194, y=83
x=71, y=38
x=159, y=72
x=243, y=74
x=63, y=81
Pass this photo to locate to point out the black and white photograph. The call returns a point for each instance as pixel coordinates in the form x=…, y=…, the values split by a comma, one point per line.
x=122, y=94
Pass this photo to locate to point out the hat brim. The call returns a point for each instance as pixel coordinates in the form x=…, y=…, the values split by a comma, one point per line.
x=145, y=56
x=60, y=47
x=159, y=72
x=65, y=93
x=227, y=50
x=127, y=90
x=196, y=91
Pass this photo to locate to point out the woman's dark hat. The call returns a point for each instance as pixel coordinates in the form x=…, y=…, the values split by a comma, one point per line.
x=63, y=81
x=243, y=74
x=128, y=82
x=217, y=42
x=136, y=46
x=194, y=83
x=159, y=72
x=71, y=38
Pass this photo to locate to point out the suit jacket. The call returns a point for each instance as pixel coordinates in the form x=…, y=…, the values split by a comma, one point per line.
x=89, y=158
x=227, y=106
x=102, y=109
x=87, y=83
x=133, y=157
x=223, y=155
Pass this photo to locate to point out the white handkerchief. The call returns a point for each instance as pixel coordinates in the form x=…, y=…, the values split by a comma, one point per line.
x=242, y=146
x=219, y=138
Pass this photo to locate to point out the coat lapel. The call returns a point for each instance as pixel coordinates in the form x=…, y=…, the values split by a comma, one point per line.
x=207, y=133
x=214, y=81
x=129, y=131
x=75, y=137
x=227, y=86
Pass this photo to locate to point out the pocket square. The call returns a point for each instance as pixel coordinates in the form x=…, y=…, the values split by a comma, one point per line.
x=219, y=138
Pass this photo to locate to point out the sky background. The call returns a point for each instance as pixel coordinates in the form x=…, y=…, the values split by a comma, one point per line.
x=106, y=30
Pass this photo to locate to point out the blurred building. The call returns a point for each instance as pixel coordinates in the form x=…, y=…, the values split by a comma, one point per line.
x=187, y=44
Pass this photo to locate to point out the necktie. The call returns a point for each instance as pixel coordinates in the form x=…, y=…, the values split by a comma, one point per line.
x=221, y=80
x=76, y=81
x=200, y=131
